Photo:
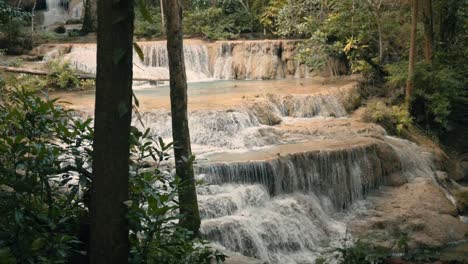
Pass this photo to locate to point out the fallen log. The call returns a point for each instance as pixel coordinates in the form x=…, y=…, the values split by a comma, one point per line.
x=79, y=76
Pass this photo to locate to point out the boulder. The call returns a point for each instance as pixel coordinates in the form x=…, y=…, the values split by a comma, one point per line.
x=419, y=210
x=462, y=201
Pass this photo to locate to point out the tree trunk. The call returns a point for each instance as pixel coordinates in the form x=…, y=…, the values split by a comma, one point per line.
x=180, y=129
x=412, y=51
x=428, y=32
x=163, y=27
x=379, y=27
x=113, y=112
x=90, y=17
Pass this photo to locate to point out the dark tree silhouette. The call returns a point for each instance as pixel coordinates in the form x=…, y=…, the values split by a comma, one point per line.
x=180, y=130
x=109, y=228
x=90, y=17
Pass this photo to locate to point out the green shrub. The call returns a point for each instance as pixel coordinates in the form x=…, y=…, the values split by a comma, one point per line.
x=41, y=179
x=393, y=118
x=45, y=179
x=211, y=23
x=145, y=28
x=436, y=92
x=62, y=75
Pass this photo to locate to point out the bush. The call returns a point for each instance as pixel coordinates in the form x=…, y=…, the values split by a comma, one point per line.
x=13, y=37
x=146, y=29
x=45, y=179
x=42, y=179
x=439, y=95
x=211, y=23
x=62, y=75
x=393, y=118
x=437, y=91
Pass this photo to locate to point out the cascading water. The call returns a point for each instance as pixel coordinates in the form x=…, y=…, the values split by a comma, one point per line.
x=54, y=13
x=155, y=64
x=279, y=192
x=245, y=60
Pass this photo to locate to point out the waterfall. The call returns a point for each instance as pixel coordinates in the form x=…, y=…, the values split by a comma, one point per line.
x=196, y=59
x=223, y=67
x=282, y=192
x=268, y=194
x=54, y=13
x=155, y=64
x=223, y=60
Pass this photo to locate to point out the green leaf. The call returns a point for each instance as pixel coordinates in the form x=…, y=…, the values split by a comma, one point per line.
x=144, y=11
x=139, y=51
x=137, y=103
x=6, y=256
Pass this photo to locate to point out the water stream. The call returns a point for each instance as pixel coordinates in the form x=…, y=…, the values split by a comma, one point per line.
x=281, y=161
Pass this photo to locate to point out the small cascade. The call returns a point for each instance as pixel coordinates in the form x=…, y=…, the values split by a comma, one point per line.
x=227, y=129
x=280, y=190
x=344, y=175
x=196, y=59
x=306, y=106
x=224, y=60
x=286, y=229
x=257, y=60
x=223, y=67
x=55, y=12
x=155, y=64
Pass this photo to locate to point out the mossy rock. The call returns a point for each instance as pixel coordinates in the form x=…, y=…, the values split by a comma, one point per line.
x=462, y=201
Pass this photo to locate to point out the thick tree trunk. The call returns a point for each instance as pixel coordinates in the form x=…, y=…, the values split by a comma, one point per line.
x=113, y=111
x=90, y=17
x=180, y=129
x=412, y=52
x=428, y=32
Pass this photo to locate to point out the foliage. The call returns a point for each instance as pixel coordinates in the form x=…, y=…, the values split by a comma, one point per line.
x=212, y=24
x=394, y=118
x=362, y=253
x=12, y=35
x=62, y=75
x=153, y=211
x=144, y=27
x=437, y=90
x=45, y=159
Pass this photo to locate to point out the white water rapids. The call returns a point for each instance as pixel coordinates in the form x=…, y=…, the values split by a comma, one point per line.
x=280, y=194
x=281, y=173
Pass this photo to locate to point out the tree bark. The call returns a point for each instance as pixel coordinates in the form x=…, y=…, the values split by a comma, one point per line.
x=113, y=111
x=90, y=20
x=163, y=27
x=428, y=31
x=412, y=52
x=180, y=129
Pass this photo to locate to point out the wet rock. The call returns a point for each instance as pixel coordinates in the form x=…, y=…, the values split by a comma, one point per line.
x=419, y=209
x=60, y=29
x=396, y=179
x=50, y=51
x=462, y=201
x=457, y=168
x=392, y=162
